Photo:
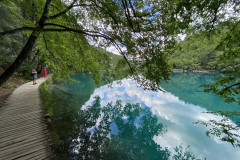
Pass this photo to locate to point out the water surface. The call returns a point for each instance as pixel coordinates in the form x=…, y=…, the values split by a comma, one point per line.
x=128, y=122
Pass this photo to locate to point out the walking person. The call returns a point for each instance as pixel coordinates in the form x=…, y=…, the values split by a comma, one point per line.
x=34, y=74
x=44, y=72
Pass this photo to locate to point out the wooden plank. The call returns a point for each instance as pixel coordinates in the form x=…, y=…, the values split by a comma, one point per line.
x=19, y=130
x=23, y=108
x=17, y=118
x=18, y=122
x=16, y=136
x=17, y=104
x=6, y=116
x=16, y=147
x=41, y=154
x=22, y=121
x=26, y=114
x=21, y=113
x=20, y=152
x=20, y=139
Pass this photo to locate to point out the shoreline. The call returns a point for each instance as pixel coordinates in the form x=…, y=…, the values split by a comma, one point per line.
x=196, y=71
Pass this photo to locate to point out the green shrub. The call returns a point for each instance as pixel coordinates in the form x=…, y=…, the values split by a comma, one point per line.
x=5, y=61
x=48, y=101
x=9, y=85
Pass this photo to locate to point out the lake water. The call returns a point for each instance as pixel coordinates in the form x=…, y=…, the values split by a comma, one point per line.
x=127, y=122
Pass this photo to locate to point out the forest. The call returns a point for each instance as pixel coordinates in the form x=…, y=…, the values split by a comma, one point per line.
x=197, y=51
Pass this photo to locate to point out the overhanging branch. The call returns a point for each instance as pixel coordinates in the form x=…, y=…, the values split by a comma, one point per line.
x=17, y=30
x=63, y=12
x=105, y=9
x=68, y=9
x=225, y=37
x=121, y=52
x=67, y=29
x=45, y=41
x=88, y=33
x=227, y=88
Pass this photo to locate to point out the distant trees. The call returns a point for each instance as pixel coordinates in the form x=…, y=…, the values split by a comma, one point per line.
x=199, y=52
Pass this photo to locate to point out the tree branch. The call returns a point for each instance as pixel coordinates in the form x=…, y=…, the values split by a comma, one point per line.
x=67, y=9
x=214, y=17
x=45, y=41
x=227, y=88
x=127, y=13
x=224, y=39
x=17, y=30
x=63, y=12
x=89, y=33
x=92, y=34
x=134, y=13
x=67, y=29
x=107, y=12
x=121, y=52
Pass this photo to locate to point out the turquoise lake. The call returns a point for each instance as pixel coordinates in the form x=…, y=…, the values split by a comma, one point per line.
x=126, y=122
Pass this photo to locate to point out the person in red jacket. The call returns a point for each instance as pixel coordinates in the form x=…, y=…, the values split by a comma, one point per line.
x=44, y=72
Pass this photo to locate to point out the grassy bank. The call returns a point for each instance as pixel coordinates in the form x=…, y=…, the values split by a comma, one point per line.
x=49, y=104
x=47, y=98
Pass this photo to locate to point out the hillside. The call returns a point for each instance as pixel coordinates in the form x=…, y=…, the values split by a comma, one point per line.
x=113, y=57
x=200, y=51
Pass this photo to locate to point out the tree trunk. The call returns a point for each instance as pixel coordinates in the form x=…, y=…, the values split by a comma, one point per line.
x=28, y=46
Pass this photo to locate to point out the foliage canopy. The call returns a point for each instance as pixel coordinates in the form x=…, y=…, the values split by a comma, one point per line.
x=142, y=31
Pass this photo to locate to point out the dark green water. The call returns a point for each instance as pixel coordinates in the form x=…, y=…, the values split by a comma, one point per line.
x=127, y=122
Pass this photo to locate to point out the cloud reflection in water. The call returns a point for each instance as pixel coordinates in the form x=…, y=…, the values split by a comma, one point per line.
x=175, y=114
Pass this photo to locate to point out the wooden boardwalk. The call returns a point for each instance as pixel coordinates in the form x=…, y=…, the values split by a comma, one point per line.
x=23, y=130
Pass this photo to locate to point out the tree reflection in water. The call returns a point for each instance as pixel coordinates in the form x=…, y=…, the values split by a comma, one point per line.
x=112, y=132
x=118, y=132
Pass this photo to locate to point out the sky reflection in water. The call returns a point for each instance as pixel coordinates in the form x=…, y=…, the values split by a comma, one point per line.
x=176, y=115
